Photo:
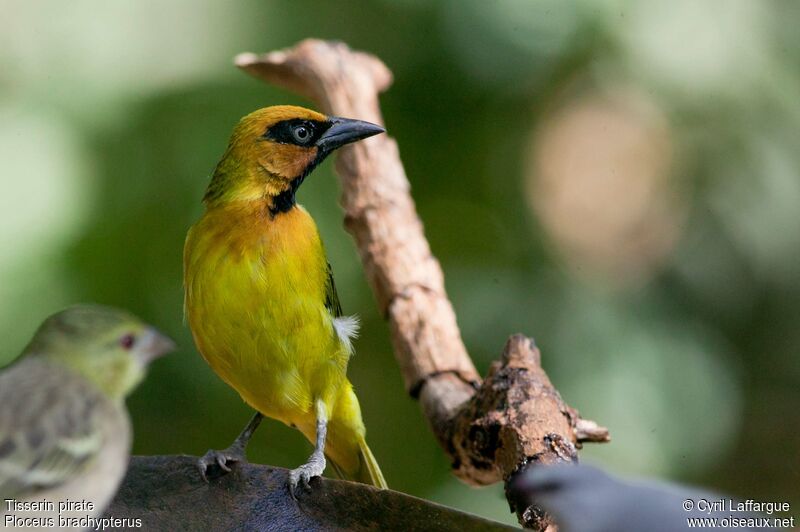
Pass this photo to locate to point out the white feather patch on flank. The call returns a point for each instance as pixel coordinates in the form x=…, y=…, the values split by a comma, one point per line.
x=346, y=328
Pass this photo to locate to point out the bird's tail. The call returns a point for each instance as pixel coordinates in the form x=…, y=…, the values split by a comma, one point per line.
x=346, y=448
x=367, y=472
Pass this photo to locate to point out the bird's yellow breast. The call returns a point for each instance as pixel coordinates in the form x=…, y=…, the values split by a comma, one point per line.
x=255, y=294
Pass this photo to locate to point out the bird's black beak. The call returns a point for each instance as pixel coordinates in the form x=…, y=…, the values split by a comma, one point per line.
x=344, y=131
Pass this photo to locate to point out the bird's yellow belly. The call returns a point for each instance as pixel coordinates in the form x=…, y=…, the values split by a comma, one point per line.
x=255, y=304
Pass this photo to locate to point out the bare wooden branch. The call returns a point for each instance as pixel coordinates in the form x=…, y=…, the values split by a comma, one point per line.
x=489, y=429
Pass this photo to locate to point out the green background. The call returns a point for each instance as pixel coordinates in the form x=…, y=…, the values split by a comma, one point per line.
x=617, y=179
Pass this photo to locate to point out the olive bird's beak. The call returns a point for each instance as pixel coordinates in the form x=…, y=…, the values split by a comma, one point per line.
x=153, y=344
x=344, y=131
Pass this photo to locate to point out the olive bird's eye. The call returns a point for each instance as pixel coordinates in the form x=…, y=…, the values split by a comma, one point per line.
x=127, y=341
x=301, y=134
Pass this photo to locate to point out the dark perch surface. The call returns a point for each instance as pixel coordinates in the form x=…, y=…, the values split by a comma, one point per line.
x=167, y=493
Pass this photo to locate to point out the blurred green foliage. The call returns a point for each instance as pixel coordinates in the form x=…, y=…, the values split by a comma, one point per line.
x=113, y=114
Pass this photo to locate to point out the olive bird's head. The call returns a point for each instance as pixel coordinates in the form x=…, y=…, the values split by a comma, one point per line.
x=272, y=150
x=109, y=347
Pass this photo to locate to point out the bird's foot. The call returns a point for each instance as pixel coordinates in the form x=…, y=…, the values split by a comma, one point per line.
x=303, y=474
x=215, y=464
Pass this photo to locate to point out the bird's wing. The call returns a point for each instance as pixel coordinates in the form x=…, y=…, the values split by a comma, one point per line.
x=346, y=327
x=331, y=297
x=51, y=426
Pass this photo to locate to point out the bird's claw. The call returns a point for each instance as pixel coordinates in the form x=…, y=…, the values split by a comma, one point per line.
x=303, y=474
x=219, y=462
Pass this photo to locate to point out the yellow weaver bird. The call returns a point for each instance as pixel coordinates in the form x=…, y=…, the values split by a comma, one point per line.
x=260, y=297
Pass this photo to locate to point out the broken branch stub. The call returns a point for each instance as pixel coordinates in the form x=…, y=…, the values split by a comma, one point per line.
x=488, y=428
x=516, y=414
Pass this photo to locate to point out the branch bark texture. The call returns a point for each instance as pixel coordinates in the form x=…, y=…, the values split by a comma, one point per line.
x=489, y=428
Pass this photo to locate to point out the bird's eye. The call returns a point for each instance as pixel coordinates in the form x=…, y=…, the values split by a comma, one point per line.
x=301, y=134
x=127, y=341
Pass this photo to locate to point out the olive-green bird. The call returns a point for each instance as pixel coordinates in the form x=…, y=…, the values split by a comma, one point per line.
x=64, y=430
